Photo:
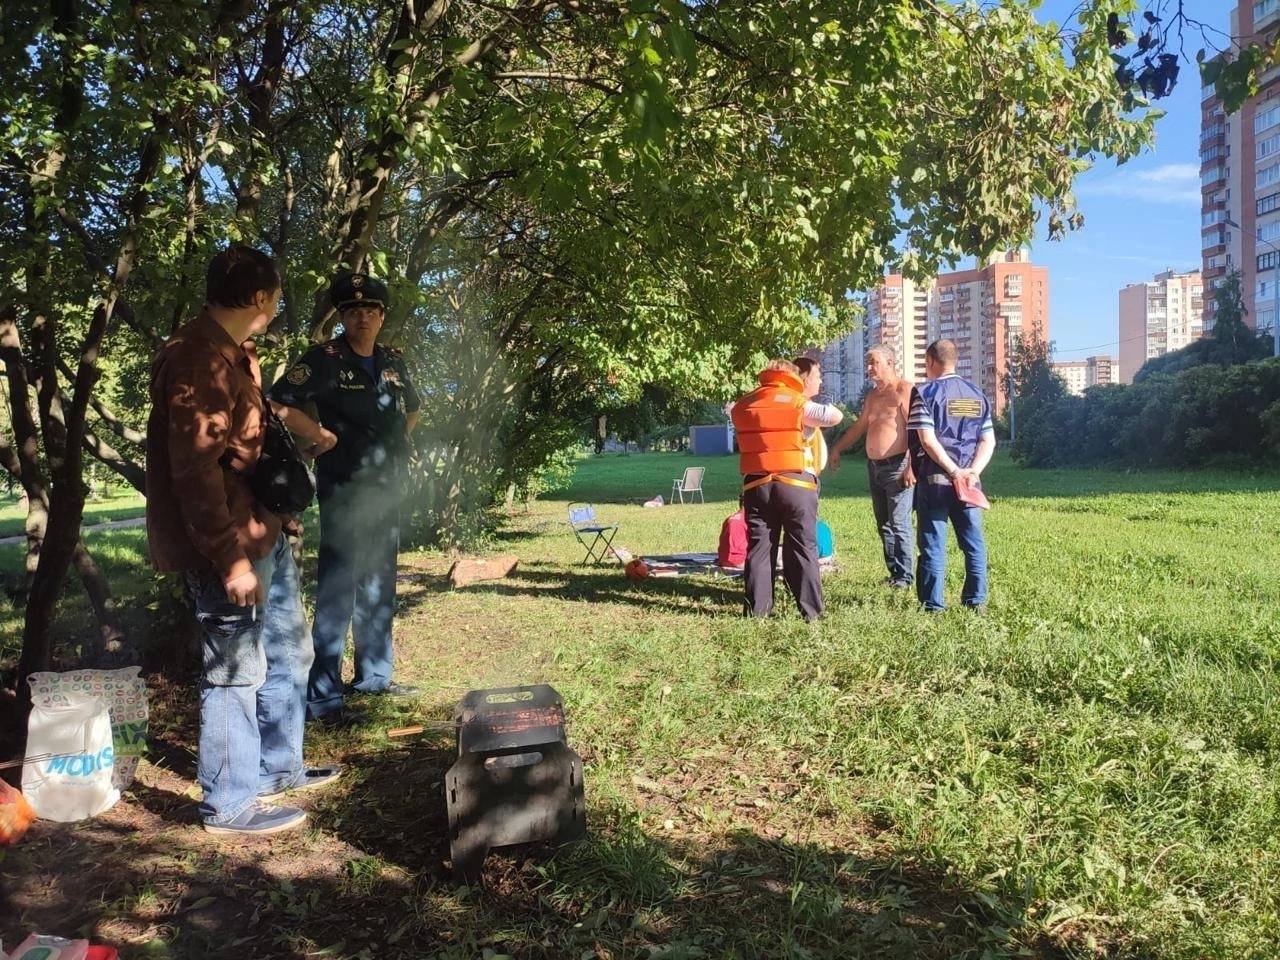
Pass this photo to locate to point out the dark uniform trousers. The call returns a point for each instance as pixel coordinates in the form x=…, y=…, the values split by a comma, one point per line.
x=356, y=589
x=772, y=510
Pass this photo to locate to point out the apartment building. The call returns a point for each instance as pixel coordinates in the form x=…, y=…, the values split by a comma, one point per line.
x=984, y=310
x=1080, y=375
x=1101, y=370
x=1240, y=182
x=843, y=368
x=1157, y=316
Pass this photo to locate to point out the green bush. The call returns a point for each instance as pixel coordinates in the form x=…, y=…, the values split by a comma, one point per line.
x=1216, y=401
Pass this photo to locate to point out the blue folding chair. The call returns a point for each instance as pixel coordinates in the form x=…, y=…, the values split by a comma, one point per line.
x=582, y=520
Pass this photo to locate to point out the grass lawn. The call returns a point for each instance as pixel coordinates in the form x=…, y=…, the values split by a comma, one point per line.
x=124, y=505
x=1088, y=770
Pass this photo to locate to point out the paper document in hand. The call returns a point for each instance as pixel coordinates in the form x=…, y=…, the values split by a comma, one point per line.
x=970, y=493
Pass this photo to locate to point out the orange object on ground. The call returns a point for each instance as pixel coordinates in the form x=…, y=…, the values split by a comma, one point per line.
x=636, y=570
x=15, y=814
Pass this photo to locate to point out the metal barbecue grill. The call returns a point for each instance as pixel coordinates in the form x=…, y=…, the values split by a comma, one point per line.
x=515, y=780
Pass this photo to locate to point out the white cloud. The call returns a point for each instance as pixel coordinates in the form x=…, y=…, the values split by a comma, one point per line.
x=1177, y=183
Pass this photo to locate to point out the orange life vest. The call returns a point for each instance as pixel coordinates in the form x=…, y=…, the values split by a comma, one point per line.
x=769, y=423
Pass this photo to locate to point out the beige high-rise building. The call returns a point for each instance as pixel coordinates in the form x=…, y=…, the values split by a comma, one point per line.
x=1240, y=181
x=984, y=310
x=1157, y=316
x=1101, y=370
x=1072, y=373
x=1080, y=375
x=898, y=318
x=843, y=368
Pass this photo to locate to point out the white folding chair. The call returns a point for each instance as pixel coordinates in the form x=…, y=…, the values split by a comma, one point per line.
x=690, y=483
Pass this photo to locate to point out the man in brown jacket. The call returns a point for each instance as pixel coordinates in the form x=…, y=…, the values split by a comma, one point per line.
x=204, y=436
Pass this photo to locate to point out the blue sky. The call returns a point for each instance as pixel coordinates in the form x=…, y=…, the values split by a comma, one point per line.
x=1140, y=217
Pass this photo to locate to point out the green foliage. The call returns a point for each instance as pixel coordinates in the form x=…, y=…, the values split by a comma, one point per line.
x=1039, y=393
x=1213, y=401
x=1234, y=77
x=1200, y=415
x=659, y=416
x=656, y=195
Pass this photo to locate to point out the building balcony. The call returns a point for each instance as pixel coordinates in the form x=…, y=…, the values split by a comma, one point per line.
x=1265, y=13
x=1212, y=174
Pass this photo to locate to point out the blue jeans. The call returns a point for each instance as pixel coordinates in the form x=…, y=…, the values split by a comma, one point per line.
x=891, y=504
x=253, y=689
x=932, y=515
x=356, y=589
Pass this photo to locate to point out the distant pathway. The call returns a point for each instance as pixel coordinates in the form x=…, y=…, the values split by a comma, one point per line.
x=108, y=525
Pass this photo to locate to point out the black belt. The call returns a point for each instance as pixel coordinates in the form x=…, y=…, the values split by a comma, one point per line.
x=890, y=459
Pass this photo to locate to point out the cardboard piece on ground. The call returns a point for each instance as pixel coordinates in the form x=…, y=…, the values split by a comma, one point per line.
x=472, y=569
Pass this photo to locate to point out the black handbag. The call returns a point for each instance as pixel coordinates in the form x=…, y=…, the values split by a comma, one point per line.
x=282, y=482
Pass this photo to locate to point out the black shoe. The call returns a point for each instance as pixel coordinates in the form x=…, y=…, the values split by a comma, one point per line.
x=978, y=609
x=344, y=718
x=900, y=584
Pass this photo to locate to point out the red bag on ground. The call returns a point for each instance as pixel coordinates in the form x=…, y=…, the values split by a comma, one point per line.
x=15, y=814
x=733, y=541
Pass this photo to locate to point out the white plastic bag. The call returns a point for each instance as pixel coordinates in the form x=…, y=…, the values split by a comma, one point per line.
x=73, y=782
x=125, y=695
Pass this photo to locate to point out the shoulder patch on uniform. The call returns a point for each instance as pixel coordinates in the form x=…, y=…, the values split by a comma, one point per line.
x=299, y=375
x=964, y=407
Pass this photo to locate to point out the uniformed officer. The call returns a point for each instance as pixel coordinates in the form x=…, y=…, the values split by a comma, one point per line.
x=366, y=405
x=780, y=484
x=951, y=437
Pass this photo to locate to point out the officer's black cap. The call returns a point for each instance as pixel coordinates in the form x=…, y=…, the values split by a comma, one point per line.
x=357, y=290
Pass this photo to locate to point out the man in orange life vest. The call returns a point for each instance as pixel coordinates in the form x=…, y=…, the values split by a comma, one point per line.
x=780, y=483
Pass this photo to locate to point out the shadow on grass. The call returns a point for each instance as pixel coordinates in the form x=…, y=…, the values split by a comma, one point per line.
x=688, y=594
x=373, y=877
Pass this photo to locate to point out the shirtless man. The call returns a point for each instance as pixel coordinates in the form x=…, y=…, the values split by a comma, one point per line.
x=883, y=421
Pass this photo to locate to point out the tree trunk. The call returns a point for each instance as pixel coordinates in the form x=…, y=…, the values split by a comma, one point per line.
x=378, y=160
x=36, y=498
x=66, y=502
x=105, y=608
x=66, y=508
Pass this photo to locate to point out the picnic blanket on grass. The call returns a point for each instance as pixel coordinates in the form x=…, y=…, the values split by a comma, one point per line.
x=689, y=564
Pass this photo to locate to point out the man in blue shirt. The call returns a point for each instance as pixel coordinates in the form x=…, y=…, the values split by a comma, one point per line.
x=951, y=437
